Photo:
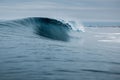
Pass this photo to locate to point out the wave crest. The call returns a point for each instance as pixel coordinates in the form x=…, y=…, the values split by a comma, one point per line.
x=46, y=27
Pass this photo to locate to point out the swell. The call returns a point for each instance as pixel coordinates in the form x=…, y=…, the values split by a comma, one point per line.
x=45, y=27
x=101, y=71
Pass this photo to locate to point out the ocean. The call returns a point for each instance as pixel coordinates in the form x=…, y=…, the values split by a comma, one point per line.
x=39, y=42
x=93, y=54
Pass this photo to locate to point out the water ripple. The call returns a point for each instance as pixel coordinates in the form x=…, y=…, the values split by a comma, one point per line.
x=100, y=71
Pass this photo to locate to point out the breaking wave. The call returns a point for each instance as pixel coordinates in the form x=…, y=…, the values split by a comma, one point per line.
x=46, y=27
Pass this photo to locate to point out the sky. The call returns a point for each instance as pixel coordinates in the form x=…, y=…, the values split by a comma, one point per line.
x=83, y=10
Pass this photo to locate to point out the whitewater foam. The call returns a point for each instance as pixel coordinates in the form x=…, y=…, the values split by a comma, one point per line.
x=75, y=25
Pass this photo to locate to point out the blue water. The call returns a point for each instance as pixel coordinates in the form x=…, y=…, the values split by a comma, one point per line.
x=59, y=47
x=90, y=55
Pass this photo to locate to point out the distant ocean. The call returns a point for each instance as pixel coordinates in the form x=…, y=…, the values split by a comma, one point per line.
x=54, y=47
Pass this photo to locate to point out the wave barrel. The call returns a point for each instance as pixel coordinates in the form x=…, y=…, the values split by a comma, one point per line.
x=51, y=28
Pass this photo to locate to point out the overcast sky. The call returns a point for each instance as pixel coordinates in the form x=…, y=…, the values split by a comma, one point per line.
x=85, y=10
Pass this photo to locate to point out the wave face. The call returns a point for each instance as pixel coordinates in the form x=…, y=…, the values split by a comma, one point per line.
x=52, y=28
x=46, y=27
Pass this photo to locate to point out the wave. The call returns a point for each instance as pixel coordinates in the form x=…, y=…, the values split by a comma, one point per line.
x=75, y=25
x=45, y=27
x=100, y=71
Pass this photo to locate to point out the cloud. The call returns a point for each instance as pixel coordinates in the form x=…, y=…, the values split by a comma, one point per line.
x=91, y=10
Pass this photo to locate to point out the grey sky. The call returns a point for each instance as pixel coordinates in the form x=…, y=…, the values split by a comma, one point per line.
x=85, y=10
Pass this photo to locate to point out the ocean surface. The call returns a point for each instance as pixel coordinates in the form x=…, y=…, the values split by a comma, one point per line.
x=59, y=39
x=60, y=54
